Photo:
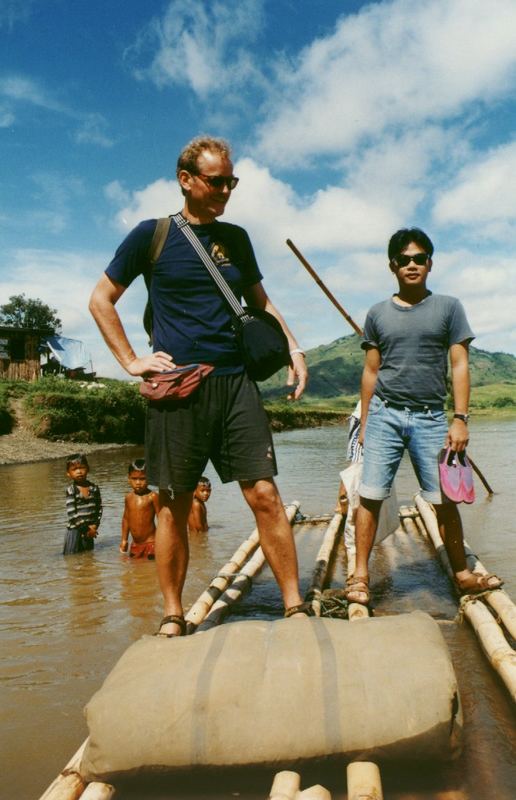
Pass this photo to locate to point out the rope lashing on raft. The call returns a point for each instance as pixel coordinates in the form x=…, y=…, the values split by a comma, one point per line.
x=472, y=598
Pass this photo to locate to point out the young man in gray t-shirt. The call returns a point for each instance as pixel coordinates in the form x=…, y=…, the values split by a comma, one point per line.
x=407, y=340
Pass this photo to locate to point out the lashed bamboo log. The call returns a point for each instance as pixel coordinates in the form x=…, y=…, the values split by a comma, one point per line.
x=220, y=582
x=364, y=781
x=357, y=611
x=500, y=654
x=316, y=792
x=98, y=791
x=497, y=599
x=241, y=582
x=69, y=784
x=285, y=785
x=328, y=544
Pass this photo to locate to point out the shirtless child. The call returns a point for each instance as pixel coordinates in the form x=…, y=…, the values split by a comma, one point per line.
x=198, y=518
x=140, y=509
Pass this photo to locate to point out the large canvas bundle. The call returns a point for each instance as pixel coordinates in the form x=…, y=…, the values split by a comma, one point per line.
x=276, y=693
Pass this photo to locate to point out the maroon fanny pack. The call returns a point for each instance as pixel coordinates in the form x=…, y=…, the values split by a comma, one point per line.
x=175, y=384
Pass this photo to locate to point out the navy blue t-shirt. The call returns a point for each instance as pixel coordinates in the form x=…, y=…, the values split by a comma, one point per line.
x=191, y=319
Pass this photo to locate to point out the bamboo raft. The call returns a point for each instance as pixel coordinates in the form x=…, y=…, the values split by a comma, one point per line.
x=491, y=615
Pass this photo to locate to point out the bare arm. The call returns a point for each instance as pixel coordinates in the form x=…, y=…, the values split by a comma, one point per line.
x=458, y=435
x=197, y=519
x=124, y=541
x=257, y=296
x=367, y=386
x=102, y=306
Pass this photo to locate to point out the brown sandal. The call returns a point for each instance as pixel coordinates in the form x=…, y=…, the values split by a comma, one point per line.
x=180, y=621
x=478, y=582
x=355, y=585
x=301, y=608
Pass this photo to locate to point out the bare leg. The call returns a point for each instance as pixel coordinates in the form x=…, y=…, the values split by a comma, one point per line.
x=172, y=553
x=366, y=525
x=450, y=528
x=276, y=538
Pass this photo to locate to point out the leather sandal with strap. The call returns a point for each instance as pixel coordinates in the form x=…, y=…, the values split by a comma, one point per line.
x=356, y=585
x=302, y=608
x=177, y=620
x=477, y=583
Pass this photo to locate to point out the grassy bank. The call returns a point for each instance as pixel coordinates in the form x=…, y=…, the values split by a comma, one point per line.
x=114, y=411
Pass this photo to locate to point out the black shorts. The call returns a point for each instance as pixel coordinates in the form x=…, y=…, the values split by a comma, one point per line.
x=223, y=422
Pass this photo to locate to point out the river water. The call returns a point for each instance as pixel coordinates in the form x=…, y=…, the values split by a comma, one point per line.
x=65, y=621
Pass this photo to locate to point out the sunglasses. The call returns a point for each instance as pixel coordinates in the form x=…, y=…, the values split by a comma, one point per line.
x=418, y=258
x=218, y=181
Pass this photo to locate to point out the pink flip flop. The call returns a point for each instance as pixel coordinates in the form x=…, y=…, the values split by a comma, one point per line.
x=466, y=477
x=450, y=475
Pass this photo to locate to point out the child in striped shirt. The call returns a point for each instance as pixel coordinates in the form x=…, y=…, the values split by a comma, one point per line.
x=83, y=506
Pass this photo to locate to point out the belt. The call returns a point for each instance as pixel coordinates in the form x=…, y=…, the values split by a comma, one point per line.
x=401, y=407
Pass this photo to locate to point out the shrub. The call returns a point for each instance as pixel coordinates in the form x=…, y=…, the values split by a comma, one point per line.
x=63, y=410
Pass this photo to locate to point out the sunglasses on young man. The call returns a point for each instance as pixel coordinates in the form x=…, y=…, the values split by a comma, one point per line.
x=218, y=181
x=418, y=258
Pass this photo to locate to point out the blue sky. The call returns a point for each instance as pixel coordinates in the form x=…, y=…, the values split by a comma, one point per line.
x=348, y=120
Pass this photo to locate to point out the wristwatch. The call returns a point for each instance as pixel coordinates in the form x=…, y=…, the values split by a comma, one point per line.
x=463, y=417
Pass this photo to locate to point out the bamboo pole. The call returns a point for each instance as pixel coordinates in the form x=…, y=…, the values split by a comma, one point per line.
x=220, y=582
x=325, y=289
x=285, y=785
x=98, y=791
x=500, y=654
x=364, y=781
x=241, y=582
x=329, y=542
x=69, y=784
x=498, y=599
x=316, y=792
x=480, y=475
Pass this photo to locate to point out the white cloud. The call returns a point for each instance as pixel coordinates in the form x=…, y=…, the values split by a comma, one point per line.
x=392, y=66
x=22, y=89
x=92, y=131
x=37, y=273
x=158, y=199
x=13, y=11
x=483, y=195
x=201, y=45
x=7, y=118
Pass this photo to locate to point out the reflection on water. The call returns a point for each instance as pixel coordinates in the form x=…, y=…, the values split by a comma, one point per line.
x=65, y=621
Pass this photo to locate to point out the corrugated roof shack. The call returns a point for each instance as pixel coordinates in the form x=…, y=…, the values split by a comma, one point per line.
x=20, y=353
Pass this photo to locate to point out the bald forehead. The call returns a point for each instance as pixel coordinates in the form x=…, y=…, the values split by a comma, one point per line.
x=214, y=162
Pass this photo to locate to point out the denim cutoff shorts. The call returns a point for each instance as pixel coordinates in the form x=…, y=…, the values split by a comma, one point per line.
x=392, y=430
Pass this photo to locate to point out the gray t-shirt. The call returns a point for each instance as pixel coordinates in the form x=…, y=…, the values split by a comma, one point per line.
x=413, y=342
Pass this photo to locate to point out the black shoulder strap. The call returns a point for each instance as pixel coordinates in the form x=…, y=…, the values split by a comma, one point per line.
x=159, y=237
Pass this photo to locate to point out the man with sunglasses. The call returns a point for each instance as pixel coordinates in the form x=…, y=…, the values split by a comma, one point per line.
x=224, y=420
x=407, y=341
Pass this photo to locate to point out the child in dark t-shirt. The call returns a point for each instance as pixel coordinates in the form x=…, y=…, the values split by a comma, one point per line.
x=83, y=507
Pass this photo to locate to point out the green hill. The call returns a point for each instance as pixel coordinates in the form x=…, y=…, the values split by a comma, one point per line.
x=335, y=370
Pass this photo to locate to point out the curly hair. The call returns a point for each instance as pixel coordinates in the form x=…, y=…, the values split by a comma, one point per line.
x=190, y=153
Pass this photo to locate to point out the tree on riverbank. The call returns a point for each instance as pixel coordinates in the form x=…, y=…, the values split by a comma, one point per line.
x=26, y=312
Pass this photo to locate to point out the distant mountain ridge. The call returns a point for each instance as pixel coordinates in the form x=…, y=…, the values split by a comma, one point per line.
x=336, y=368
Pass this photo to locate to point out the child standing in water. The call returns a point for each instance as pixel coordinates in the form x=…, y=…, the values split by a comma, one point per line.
x=198, y=517
x=140, y=510
x=83, y=506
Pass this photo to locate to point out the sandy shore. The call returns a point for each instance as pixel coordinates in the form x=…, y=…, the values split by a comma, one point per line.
x=21, y=447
